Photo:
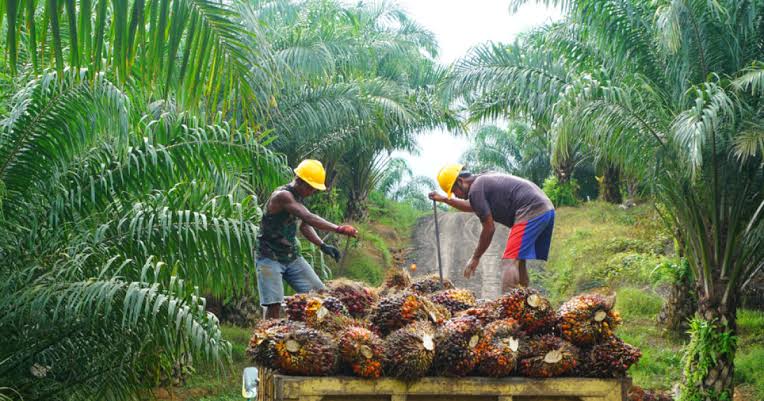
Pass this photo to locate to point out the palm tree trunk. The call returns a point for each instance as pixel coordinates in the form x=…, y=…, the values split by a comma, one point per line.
x=679, y=308
x=611, y=185
x=356, y=208
x=710, y=367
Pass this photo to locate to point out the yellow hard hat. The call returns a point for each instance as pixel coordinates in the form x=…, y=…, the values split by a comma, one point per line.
x=312, y=172
x=447, y=176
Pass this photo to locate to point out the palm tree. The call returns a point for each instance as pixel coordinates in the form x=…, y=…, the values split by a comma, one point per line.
x=676, y=102
x=113, y=215
x=196, y=51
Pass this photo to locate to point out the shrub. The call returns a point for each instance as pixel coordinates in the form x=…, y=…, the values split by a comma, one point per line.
x=561, y=194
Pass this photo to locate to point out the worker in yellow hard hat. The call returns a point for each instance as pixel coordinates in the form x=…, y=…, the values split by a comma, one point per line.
x=277, y=254
x=506, y=199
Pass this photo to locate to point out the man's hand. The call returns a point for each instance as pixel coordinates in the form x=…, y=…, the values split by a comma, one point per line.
x=472, y=265
x=350, y=231
x=333, y=252
x=437, y=197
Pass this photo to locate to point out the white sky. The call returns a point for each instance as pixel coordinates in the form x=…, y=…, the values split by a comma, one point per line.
x=459, y=25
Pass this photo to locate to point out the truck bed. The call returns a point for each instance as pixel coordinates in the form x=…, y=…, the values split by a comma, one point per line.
x=276, y=387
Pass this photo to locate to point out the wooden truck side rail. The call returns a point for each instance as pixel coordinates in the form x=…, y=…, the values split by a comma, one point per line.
x=276, y=387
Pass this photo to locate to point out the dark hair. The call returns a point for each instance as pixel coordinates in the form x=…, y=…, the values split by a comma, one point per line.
x=464, y=174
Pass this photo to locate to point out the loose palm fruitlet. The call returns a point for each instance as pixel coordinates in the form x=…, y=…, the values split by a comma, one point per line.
x=637, y=393
x=409, y=351
x=455, y=300
x=588, y=319
x=396, y=311
x=456, y=352
x=261, y=344
x=305, y=352
x=361, y=351
x=354, y=295
x=530, y=308
x=430, y=284
x=548, y=356
x=611, y=358
x=500, y=348
x=396, y=280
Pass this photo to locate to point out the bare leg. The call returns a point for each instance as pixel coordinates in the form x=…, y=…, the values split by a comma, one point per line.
x=514, y=274
x=273, y=311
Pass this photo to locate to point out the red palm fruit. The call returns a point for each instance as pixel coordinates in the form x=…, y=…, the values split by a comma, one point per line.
x=305, y=352
x=611, y=358
x=409, y=351
x=548, y=356
x=456, y=352
x=356, y=297
x=587, y=319
x=455, y=300
x=486, y=311
x=318, y=316
x=266, y=333
x=396, y=311
x=361, y=351
x=500, y=347
x=295, y=306
x=529, y=307
x=430, y=284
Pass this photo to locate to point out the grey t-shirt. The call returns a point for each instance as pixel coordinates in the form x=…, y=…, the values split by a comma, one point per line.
x=507, y=198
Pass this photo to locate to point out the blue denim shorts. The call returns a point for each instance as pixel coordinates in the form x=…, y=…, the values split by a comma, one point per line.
x=298, y=274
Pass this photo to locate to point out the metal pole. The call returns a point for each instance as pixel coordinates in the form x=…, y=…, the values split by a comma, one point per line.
x=437, y=238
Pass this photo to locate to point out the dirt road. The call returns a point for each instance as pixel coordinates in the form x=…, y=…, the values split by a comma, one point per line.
x=459, y=233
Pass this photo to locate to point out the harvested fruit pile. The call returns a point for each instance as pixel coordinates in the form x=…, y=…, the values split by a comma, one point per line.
x=413, y=328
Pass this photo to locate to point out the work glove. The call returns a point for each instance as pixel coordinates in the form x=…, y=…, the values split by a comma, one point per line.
x=350, y=231
x=333, y=252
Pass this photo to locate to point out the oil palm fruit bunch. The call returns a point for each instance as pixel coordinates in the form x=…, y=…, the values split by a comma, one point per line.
x=396, y=311
x=409, y=351
x=295, y=306
x=587, y=319
x=261, y=344
x=456, y=351
x=486, y=311
x=500, y=348
x=611, y=358
x=529, y=307
x=305, y=352
x=430, y=284
x=361, y=351
x=548, y=356
x=396, y=280
x=455, y=300
x=322, y=316
x=357, y=297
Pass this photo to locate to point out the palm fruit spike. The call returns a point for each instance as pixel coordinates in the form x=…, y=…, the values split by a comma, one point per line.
x=305, y=352
x=455, y=300
x=456, y=352
x=396, y=280
x=320, y=317
x=409, y=351
x=295, y=306
x=396, y=311
x=611, y=358
x=361, y=351
x=500, y=348
x=587, y=319
x=261, y=343
x=548, y=356
x=430, y=284
x=354, y=295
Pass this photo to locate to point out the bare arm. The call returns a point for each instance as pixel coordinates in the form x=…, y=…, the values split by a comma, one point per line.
x=486, y=235
x=460, y=204
x=287, y=202
x=310, y=234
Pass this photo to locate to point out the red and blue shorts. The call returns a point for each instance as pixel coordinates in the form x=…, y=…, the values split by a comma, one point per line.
x=531, y=239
